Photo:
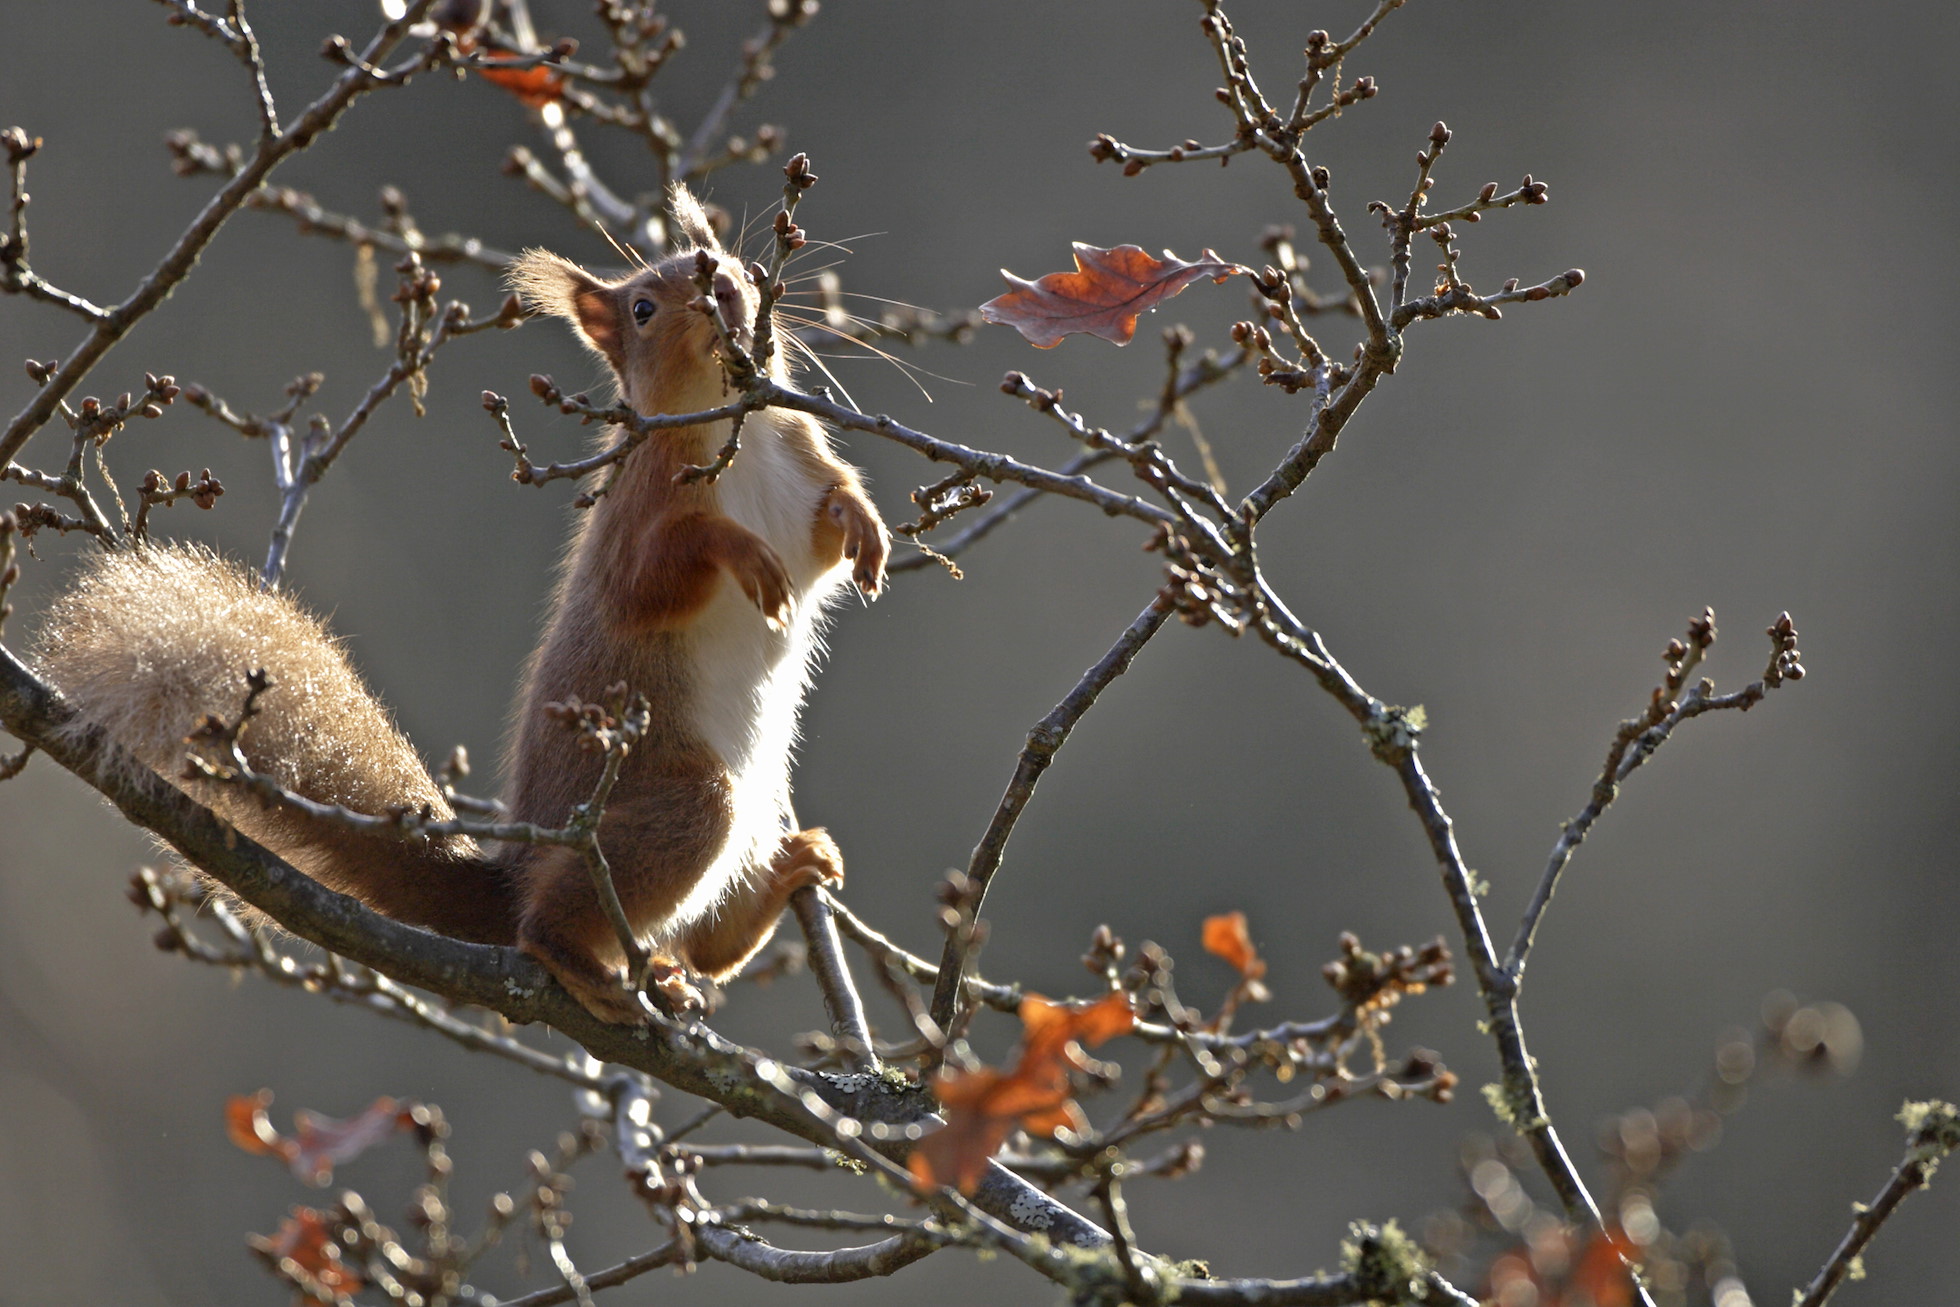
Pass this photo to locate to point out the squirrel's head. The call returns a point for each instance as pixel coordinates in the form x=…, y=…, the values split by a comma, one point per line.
x=648, y=325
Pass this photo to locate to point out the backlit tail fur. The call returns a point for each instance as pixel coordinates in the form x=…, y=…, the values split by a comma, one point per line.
x=147, y=641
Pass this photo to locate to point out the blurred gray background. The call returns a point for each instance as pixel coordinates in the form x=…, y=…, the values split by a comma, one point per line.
x=1747, y=405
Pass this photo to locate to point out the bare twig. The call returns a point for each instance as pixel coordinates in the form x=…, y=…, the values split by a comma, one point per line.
x=667, y=1254
x=361, y=76
x=1932, y=1131
x=15, y=276
x=1640, y=737
x=314, y=220
x=1044, y=741
x=298, y=467
x=785, y=17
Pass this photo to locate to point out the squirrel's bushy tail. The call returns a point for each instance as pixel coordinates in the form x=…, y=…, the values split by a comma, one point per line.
x=149, y=640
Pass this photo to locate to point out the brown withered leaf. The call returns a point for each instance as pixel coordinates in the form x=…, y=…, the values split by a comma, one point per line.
x=304, y=1243
x=983, y=1107
x=1226, y=936
x=534, y=87
x=1105, y=295
x=318, y=1143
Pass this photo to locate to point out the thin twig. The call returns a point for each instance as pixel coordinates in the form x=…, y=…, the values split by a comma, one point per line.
x=1932, y=1132
x=360, y=77
x=1639, y=738
x=1047, y=737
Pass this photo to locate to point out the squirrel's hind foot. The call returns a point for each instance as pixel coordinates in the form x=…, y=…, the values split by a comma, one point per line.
x=600, y=990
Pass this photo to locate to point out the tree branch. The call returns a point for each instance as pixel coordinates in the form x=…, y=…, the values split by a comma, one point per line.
x=1932, y=1131
x=1044, y=741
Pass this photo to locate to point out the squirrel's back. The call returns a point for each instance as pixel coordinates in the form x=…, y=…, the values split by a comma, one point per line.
x=149, y=640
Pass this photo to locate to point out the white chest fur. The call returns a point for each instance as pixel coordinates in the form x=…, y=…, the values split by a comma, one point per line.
x=749, y=678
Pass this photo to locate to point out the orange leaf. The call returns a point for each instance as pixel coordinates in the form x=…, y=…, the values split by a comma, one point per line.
x=1104, y=296
x=251, y=1129
x=983, y=1107
x=304, y=1243
x=1226, y=937
x=535, y=86
x=318, y=1143
x=1600, y=1275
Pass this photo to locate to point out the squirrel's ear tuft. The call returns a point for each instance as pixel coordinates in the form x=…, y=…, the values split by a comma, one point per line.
x=690, y=219
x=550, y=284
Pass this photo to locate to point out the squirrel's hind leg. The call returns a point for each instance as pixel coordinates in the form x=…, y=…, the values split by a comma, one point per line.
x=719, y=947
x=658, y=843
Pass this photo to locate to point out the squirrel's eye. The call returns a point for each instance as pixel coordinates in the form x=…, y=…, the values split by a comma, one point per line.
x=642, y=310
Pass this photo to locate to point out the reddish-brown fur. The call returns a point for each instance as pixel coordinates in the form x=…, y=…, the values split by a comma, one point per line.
x=663, y=590
x=651, y=557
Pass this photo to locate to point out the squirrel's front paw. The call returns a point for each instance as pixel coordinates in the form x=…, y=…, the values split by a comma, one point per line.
x=866, y=542
x=763, y=579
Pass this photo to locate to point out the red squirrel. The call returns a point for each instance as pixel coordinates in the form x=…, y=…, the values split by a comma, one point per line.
x=704, y=596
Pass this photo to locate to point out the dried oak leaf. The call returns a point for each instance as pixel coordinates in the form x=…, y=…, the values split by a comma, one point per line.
x=534, y=87
x=983, y=1107
x=1600, y=1275
x=1591, y=1273
x=318, y=1143
x=1226, y=936
x=305, y=1244
x=1105, y=295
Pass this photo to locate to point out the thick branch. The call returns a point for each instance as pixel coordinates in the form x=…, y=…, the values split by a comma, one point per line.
x=833, y=975
x=847, y=1113
x=842, y=1266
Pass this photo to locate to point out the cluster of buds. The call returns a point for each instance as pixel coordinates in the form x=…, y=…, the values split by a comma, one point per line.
x=547, y=390
x=158, y=489
x=1199, y=593
x=20, y=147
x=1376, y=981
x=190, y=155
x=1786, y=660
x=95, y=420
x=1681, y=658
x=942, y=500
x=1105, y=955
x=609, y=724
x=204, y=491
x=419, y=284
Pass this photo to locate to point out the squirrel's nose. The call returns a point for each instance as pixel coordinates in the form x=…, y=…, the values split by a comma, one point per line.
x=728, y=298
